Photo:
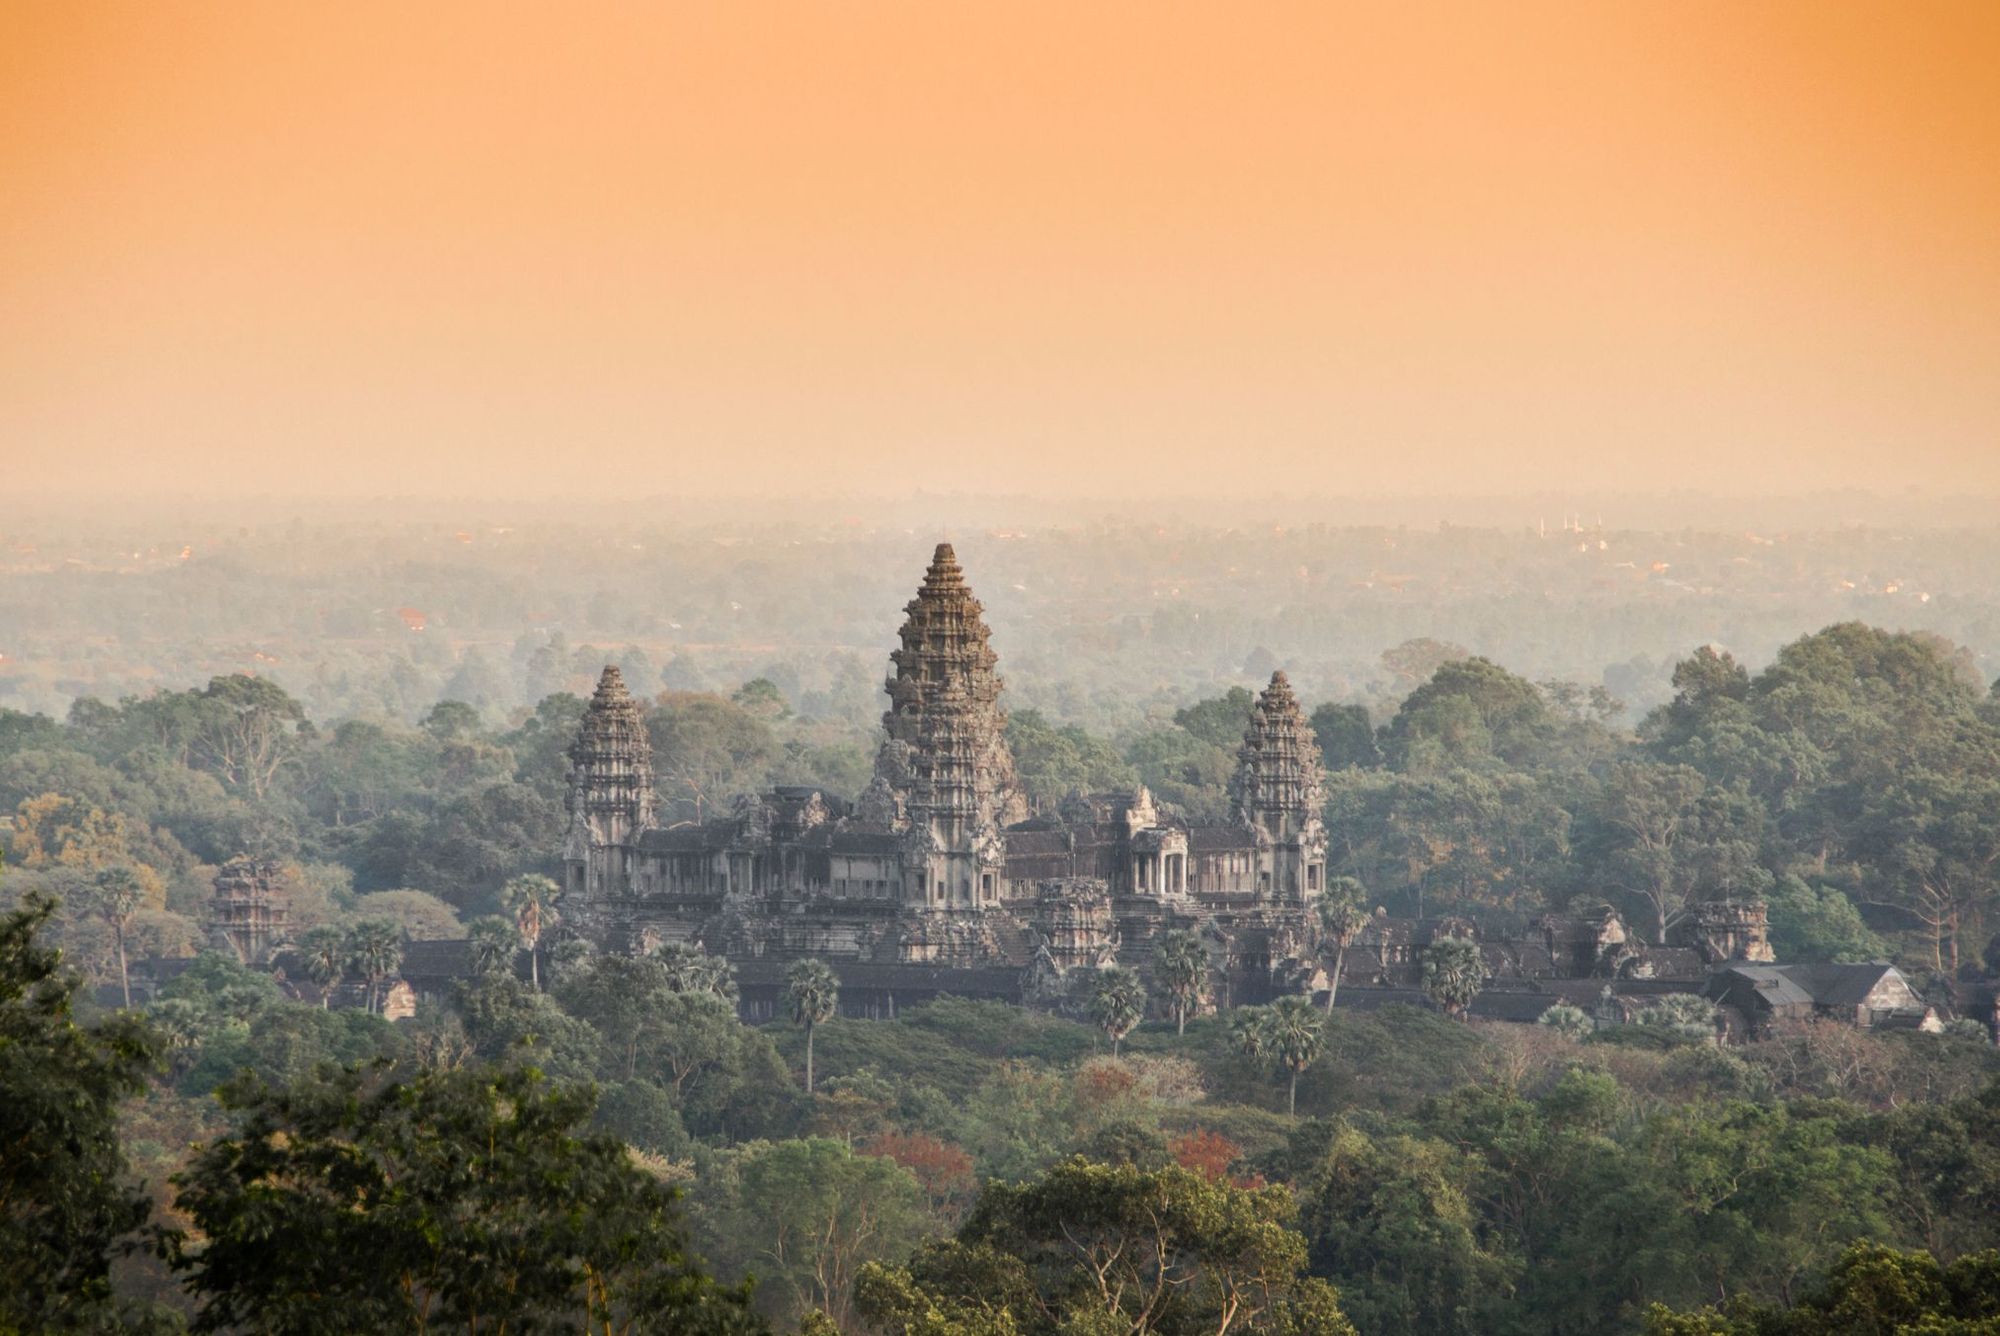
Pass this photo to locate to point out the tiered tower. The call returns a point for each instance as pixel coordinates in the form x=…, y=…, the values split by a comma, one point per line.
x=1277, y=793
x=610, y=790
x=945, y=760
x=250, y=907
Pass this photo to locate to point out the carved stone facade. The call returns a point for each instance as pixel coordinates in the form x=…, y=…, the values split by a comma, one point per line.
x=250, y=910
x=936, y=878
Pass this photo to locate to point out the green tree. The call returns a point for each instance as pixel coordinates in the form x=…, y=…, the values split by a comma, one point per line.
x=1683, y=1016
x=1220, y=721
x=1818, y=922
x=1346, y=737
x=804, y=1216
x=491, y=944
x=246, y=732
x=117, y=896
x=1568, y=1021
x=1090, y=1248
x=466, y=1200
x=1294, y=1034
x=324, y=954
x=1873, y=1290
x=623, y=999
x=531, y=898
x=1453, y=973
x=1341, y=920
x=1180, y=967
x=813, y=993
x=374, y=951
x=689, y=969
x=66, y=1197
x=1117, y=1003
x=1249, y=1032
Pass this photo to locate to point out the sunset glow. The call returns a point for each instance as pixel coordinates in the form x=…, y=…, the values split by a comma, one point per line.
x=375, y=248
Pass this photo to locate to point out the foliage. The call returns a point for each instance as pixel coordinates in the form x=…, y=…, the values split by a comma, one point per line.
x=1873, y=1290
x=806, y=1215
x=1091, y=1247
x=1570, y=1022
x=1117, y=1003
x=1181, y=970
x=455, y=1199
x=1453, y=974
x=812, y=994
x=67, y=1204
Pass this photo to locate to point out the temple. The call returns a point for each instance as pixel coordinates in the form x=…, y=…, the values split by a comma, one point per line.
x=936, y=878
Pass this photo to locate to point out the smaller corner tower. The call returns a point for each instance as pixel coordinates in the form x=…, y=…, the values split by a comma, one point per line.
x=251, y=909
x=1277, y=793
x=610, y=796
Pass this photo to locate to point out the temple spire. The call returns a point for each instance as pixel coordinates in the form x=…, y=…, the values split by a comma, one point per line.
x=610, y=782
x=1277, y=785
x=945, y=766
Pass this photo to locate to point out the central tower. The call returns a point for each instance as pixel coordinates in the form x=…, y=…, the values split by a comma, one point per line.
x=944, y=775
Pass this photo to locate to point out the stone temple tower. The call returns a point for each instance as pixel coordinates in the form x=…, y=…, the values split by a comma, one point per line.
x=610, y=791
x=945, y=775
x=1277, y=793
x=250, y=907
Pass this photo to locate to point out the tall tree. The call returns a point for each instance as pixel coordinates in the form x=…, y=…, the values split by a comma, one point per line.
x=491, y=942
x=1453, y=974
x=66, y=1197
x=1117, y=1003
x=117, y=896
x=689, y=969
x=531, y=898
x=374, y=951
x=1248, y=1032
x=1180, y=967
x=469, y=1200
x=324, y=952
x=1294, y=1034
x=1090, y=1248
x=813, y=993
x=1341, y=919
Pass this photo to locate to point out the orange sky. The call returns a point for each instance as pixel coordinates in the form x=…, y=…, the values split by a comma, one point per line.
x=1149, y=248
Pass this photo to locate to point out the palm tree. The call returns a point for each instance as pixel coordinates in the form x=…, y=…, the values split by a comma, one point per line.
x=689, y=969
x=1341, y=920
x=532, y=898
x=1248, y=1031
x=814, y=992
x=492, y=942
x=375, y=949
x=119, y=895
x=1568, y=1021
x=178, y=1022
x=1454, y=972
x=1294, y=1034
x=1180, y=966
x=1117, y=1003
x=324, y=953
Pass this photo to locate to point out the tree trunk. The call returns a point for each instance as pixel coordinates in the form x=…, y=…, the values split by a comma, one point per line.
x=809, y=1057
x=534, y=966
x=1180, y=1022
x=124, y=975
x=1333, y=982
x=1292, y=1095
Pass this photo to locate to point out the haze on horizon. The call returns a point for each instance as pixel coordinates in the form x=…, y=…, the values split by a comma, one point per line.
x=1123, y=251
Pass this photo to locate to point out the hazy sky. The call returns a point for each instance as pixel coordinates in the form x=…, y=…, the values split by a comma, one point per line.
x=1151, y=248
